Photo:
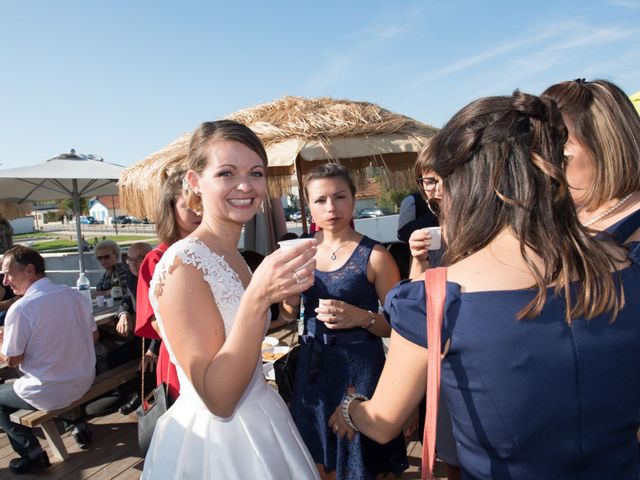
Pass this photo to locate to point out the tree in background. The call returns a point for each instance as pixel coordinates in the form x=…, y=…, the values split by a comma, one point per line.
x=65, y=207
x=391, y=199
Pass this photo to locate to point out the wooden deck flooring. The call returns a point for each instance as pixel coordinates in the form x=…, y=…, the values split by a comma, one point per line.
x=114, y=452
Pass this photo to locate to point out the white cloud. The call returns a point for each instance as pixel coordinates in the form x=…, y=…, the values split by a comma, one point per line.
x=625, y=3
x=339, y=65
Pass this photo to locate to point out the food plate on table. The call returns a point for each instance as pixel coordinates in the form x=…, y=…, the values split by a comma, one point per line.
x=269, y=342
x=271, y=355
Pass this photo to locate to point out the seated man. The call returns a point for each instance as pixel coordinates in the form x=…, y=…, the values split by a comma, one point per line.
x=7, y=298
x=126, y=324
x=49, y=335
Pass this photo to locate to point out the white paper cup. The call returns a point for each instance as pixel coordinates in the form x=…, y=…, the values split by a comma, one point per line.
x=100, y=301
x=109, y=301
x=323, y=316
x=285, y=244
x=436, y=237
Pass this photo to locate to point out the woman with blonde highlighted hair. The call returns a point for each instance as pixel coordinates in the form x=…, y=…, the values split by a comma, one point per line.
x=603, y=154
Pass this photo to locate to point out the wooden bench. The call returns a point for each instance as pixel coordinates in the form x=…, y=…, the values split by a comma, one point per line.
x=103, y=383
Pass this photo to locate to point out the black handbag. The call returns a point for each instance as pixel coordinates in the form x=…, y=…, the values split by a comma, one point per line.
x=157, y=403
x=285, y=372
x=153, y=406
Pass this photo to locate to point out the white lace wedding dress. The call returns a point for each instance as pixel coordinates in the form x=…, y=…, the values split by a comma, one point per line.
x=259, y=441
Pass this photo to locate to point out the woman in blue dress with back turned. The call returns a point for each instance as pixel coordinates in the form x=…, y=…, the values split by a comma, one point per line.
x=341, y=349
x=541, y=372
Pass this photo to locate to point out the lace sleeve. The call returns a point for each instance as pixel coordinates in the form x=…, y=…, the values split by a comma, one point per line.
x=224, y=282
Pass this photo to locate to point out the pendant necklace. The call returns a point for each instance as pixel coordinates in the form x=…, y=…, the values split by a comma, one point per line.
x=609, y=210
x=333, y=254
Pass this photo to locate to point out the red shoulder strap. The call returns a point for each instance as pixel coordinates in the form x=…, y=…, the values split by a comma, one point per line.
x=435, y=284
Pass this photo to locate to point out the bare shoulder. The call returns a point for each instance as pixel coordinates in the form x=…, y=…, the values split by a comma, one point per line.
x=486, y=271
x=380, y=257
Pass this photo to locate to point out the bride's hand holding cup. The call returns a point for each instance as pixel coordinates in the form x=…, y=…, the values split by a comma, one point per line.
x=286, y=272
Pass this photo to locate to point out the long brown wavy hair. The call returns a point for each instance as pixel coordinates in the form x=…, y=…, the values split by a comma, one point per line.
x=501, y=160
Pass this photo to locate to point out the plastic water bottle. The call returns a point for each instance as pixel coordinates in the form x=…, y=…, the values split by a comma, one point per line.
x=84, y=287
x=301, y=319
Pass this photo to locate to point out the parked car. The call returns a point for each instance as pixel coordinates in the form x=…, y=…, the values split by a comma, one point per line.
x=372, y=213
x=297, y=216
x=87, y=220
x=288, y=211
x=133, y=219
x=121, y=219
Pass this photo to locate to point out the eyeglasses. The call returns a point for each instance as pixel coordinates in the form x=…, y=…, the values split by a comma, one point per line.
x=428, y=184
x=103, y=257
x=139, y=258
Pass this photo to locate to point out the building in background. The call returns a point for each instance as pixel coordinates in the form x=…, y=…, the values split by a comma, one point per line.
x=104, y=208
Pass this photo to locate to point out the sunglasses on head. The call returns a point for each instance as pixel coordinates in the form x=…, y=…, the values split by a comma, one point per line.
x=102, y=257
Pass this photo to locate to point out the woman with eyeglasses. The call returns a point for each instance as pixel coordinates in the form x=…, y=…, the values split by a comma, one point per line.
x=540, y=318
x=603, y=155
x=430, y=185
x=115, y=271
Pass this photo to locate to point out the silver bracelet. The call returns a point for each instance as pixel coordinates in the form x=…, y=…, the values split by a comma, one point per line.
x=346, y=401
x=370, y=321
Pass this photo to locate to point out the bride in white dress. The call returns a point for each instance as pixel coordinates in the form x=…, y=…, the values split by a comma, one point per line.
x=227, y=423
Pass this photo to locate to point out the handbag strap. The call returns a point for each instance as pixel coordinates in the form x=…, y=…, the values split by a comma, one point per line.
x=435, y=285
x=142, y=362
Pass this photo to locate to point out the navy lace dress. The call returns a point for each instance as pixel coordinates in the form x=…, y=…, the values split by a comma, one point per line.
x=330, y=362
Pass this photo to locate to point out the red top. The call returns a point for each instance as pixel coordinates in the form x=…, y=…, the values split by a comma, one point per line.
x=144, y=315
x=144, y=312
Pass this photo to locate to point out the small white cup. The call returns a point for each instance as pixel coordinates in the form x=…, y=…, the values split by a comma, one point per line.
x=109, y=301
x=285, y=244
x=436, y=237
x=323, y=316
x=100, y=301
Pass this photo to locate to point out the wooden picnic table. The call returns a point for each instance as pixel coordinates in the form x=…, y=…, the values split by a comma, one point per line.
x=287, y=334
x=104, y=315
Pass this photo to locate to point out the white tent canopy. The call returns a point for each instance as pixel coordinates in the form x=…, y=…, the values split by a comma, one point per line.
x=69, y=175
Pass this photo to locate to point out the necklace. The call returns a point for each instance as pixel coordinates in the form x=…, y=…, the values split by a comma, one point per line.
x=609, y=210
x=333, y=254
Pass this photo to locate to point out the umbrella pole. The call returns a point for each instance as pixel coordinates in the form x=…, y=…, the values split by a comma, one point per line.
x=303, y=212
x=76, y=210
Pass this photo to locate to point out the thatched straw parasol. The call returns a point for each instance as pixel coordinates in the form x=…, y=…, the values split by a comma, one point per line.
x=296, y=133
x=10, y=210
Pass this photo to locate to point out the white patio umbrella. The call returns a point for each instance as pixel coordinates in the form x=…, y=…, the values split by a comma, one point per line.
x=68, y=175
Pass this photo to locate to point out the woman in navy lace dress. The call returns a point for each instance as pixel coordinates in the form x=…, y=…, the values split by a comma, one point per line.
x=341, y=349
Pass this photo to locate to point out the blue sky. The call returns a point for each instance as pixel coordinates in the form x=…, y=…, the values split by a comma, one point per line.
x=123, y=78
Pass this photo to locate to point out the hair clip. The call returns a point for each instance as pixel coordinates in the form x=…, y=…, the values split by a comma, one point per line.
x=580, y=81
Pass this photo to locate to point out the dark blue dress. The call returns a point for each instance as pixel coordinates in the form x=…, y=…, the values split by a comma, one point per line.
x=535, y=399
x=624, y=228
x=330, y=361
